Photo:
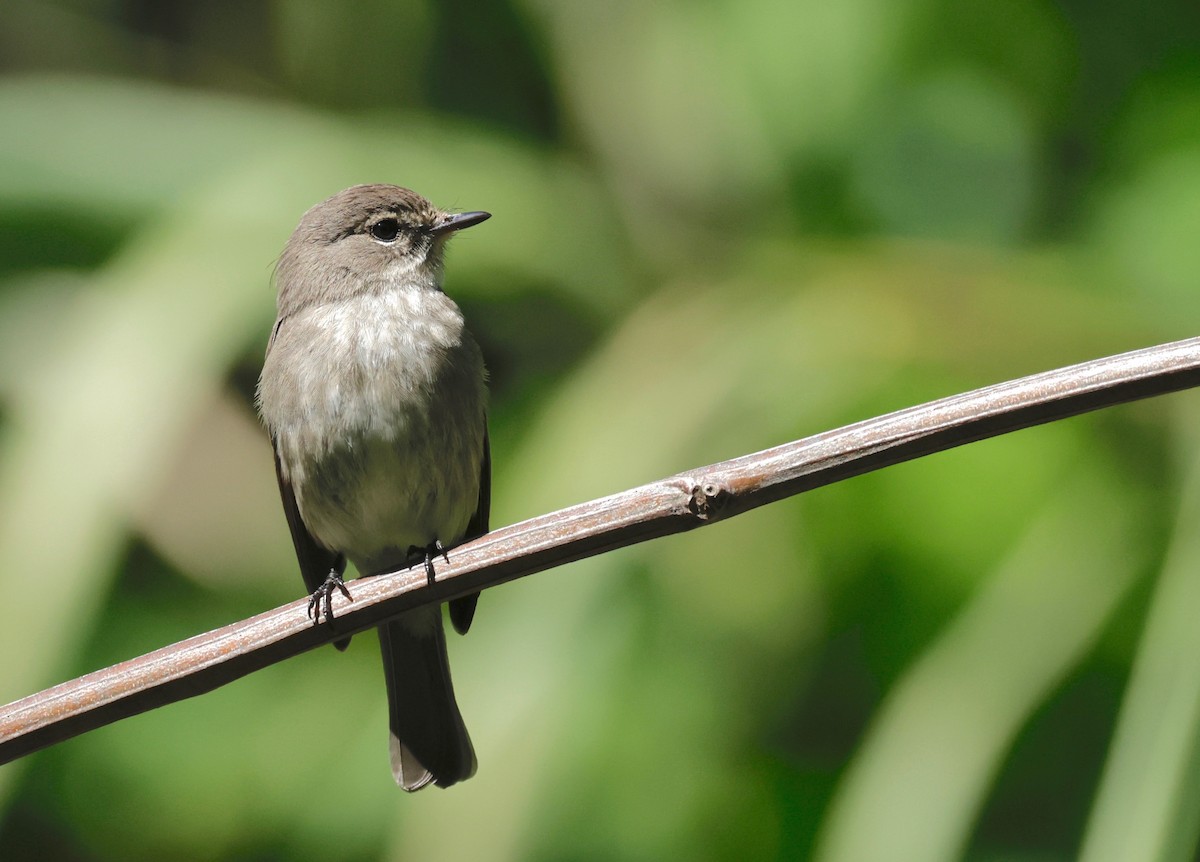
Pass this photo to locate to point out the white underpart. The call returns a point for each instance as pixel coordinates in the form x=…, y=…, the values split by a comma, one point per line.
x=383, y=447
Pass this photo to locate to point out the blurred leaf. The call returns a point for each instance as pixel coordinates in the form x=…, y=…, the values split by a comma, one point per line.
x=194, y=519
x=952, y=157
x=132, y=173
x=1149, y=796
x=1028, y=45
x=93, y=419
x=917, y=782
x=332, y=52
x=708, y=101
x=1144, y=230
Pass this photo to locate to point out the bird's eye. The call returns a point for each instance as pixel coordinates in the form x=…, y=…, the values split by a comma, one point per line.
x=385, y=230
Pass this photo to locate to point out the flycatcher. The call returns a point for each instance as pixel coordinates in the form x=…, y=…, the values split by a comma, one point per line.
x=375, y=398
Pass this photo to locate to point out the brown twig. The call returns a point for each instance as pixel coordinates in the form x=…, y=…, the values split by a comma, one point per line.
x=672, y=505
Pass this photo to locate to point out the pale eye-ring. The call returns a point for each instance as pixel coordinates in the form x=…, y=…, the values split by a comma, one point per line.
x=386, y=229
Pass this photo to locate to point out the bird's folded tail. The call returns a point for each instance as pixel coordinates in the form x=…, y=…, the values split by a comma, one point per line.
x=429, y=742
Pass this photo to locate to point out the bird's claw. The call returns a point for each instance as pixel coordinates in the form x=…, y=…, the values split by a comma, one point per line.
x=433, y=549
x=323, y=595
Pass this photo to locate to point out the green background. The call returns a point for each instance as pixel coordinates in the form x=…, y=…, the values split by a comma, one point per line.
x=718, y=226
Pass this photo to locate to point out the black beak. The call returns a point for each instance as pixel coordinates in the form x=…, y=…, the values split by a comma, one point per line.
x=458, y=221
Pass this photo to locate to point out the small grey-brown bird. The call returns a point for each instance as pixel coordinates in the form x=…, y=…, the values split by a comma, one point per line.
x=374, y=395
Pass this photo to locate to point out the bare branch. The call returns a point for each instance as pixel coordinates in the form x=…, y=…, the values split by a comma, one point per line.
x=672, y=505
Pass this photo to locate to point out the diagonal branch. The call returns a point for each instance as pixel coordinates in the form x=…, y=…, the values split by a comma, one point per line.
x=682, y=502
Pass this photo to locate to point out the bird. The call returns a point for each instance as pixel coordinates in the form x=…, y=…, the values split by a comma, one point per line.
x=374, y=396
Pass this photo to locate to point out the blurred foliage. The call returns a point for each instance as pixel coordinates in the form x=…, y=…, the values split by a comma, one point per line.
x=718, y=226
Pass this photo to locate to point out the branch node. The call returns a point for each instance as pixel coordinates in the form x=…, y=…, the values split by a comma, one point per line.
x=709, y=499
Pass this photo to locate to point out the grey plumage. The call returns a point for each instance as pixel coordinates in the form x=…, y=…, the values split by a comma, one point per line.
x=373, y=392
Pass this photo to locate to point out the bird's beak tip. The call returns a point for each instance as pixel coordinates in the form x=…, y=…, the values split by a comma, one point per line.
x=458, y=221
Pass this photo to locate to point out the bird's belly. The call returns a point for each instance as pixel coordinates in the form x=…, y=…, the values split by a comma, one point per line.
x=379, y=497
x=384, y=443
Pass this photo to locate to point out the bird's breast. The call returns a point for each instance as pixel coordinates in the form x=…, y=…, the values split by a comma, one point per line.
x=377, y=407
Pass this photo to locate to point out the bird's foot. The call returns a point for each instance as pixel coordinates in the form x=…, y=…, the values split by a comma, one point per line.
x=323, y=595
x=433, y=549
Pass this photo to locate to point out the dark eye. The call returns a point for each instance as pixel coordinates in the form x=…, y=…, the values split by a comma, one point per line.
x=385, y=230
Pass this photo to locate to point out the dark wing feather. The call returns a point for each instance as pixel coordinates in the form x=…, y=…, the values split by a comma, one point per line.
x=462, y=610
x=316, y=562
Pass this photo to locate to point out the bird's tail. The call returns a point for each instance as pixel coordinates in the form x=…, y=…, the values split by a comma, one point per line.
x=429, y=742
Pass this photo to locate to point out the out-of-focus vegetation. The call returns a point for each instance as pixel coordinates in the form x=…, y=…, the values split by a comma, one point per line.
x=718, y=226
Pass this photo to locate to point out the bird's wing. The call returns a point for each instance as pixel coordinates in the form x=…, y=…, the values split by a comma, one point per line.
x=462, y=610
x=316, y=562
